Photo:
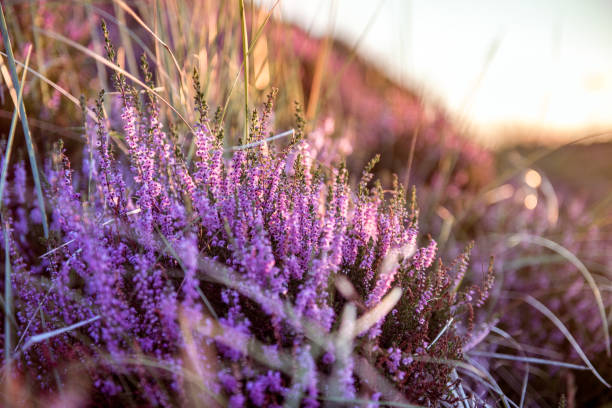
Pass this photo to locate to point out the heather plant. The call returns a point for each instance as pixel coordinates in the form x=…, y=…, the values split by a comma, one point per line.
x=213, y=281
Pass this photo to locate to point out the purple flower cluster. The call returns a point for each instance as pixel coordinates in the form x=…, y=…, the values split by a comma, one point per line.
x=222, y=269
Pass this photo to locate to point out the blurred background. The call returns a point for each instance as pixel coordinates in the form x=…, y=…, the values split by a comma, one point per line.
x=513, y=77
x=514, y=71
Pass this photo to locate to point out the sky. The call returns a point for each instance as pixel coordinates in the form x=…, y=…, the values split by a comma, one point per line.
x=528, y=62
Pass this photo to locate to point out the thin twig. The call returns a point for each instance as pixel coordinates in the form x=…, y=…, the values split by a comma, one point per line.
x=260, y=142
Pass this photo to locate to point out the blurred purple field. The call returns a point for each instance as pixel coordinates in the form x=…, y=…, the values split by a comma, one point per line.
x=202, y=205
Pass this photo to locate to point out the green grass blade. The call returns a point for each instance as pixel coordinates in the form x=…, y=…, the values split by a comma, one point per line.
x=24, y=122
x=252, y=46
x=11, y=138
x=245, y=56
x=534, y=360
x=8, y=301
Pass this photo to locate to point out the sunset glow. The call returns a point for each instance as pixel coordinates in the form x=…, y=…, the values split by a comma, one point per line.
x=547, y=63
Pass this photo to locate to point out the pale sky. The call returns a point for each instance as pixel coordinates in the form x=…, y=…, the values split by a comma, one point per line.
x=543, y=62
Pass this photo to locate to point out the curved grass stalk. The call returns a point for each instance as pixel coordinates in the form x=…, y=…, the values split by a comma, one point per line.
x=176, y=256
x=114, y=67
x=290, y=132
x=567, y=254
x=141, y=360
x=546, y=312
x=490, y=383
x=71, y=98
x=245, y=63
x=372, y=316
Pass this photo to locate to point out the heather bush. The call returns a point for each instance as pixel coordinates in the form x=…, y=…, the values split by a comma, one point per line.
x=213, y=281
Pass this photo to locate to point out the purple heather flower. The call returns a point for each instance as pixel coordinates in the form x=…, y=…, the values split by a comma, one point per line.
x=425, y=256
